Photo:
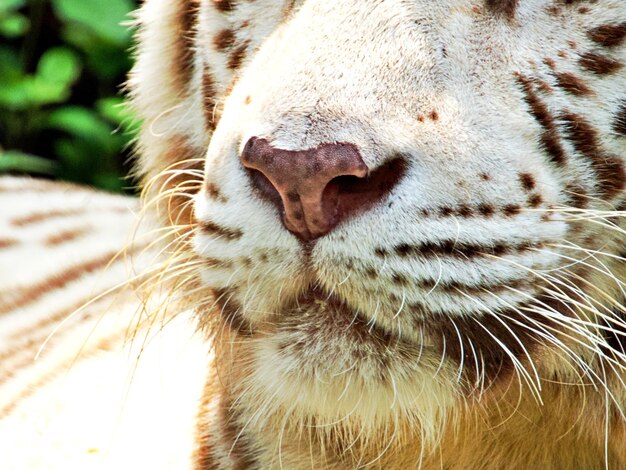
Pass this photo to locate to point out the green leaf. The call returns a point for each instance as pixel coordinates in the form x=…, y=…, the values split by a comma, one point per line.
x=14, y=26
x=13, y=160
x=10, y=5
x=57, y=70
x=114, y=109
x=101, y=17
x=109, y=181
x=59, y=65
x=80, y=122
x=32, y=92
x=10, y=66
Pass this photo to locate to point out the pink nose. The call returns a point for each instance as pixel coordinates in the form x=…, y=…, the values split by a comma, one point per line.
x=315, y=189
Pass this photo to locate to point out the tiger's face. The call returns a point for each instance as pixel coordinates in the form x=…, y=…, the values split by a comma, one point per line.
x=398, y=197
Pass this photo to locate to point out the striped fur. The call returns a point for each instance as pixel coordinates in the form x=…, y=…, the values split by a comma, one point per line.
x=473, y=319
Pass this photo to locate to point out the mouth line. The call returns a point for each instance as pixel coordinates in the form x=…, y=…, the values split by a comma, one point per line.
x=343, y=316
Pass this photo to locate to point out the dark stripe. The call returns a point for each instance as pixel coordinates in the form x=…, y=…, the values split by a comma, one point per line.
x=31, y=294
x=577, y=195
x=31, y=337
x=467, y=211
x=235, y=438
x=484, y=339
x=457, y=249
x=183, y=55
x=619, y=125
x=214, y=192
x=503, y=7
x=573, y=84
x=237, y=55
x=231, y=313
x=550, y=138
x=38, y=217
x=66, y=236
x=224, y=5
x=224, y=39
x=614, y=332
x=177, y=189
x=584, y=137
x=453, y=288
x=209, y=93
x=217, y=263
x=7, y=243
x=106, y=344
x=528, y=181
x=203, y=455
x=599, y=64
x=211, y=228
x=609, y=35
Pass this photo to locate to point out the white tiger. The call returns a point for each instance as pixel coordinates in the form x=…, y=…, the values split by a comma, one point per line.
x=392, y=237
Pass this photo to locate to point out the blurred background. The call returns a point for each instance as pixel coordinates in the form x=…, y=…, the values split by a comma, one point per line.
x=62, y=115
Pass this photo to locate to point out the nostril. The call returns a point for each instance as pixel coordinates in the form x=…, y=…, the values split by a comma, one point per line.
x=357, y=195
x=264, y=187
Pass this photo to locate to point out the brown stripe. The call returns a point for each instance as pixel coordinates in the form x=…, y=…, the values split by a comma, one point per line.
x=231, y=313
x=38, y=217
x=211, y=228
x=453, y=288
x=7, y=243
x=224, y=39
x=209, y=93
x=183, y=55
x=176, y=186
x=217, y=263
x=203, y=455
x=66, y=236
x=26, y=340
x=599, y=64
x=550, y=138
x=237, y=55
x=457, y=249
x=528, y=181
x=503, y=7
x=615, y=331
x=484, y=339
x=577, y=195
x=106, y=344
x=619, y=125
x=214, y=193
x=610, y=171
x=608, y=35
x=224, y=5
x=467, y=211
x=234, y=438
x=31, y=294
x=573, y=84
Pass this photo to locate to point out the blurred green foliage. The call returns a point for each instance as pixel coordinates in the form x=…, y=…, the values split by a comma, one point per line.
x=61, y=66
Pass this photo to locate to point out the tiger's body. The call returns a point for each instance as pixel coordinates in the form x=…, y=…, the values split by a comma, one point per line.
x=67, y=366
x=399, y=227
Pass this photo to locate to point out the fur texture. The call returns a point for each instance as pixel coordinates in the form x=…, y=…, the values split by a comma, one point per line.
x=475, y=317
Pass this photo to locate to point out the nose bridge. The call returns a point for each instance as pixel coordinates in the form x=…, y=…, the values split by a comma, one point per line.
x=316, y=66
x=329, y=74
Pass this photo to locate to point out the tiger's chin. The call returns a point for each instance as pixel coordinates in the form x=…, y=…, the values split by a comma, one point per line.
x=320, y=363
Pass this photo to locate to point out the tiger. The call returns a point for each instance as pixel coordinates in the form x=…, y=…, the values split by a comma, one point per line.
x=372, y=234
